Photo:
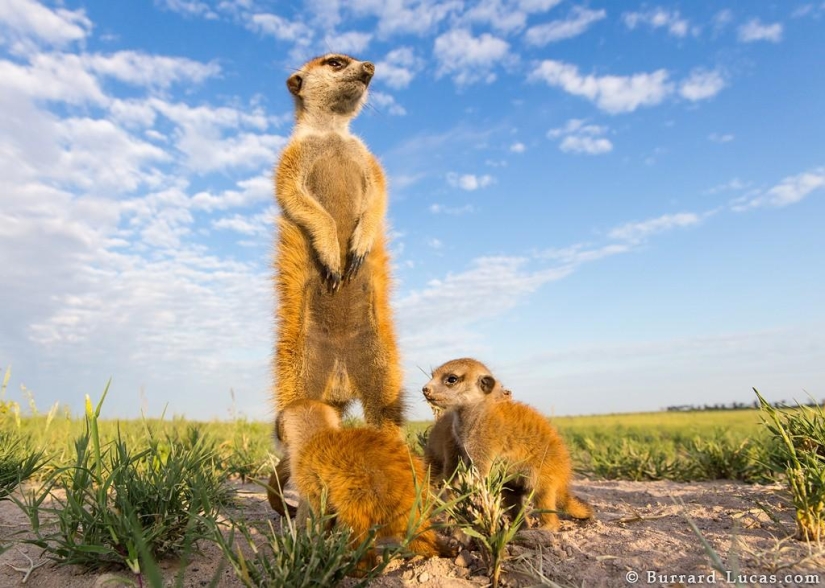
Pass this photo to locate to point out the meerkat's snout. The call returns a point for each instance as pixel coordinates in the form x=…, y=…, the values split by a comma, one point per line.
x=367, y=71
x=427, y=392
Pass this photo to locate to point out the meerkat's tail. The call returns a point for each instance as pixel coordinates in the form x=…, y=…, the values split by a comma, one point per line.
x=575, y=507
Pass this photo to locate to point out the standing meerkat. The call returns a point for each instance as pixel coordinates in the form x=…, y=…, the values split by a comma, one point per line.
x=460, y=381
x=369, y=475
x=335, y=336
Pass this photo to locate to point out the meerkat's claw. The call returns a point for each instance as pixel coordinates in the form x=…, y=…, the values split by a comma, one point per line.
x=332, y=280
x=354, y=263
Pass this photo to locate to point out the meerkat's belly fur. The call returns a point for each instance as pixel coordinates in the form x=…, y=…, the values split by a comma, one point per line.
x=370, y=479
x=340, y=346
x=530, y=446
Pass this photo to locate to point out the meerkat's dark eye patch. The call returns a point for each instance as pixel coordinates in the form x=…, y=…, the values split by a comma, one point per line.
x=486, y=383
x=451, y=379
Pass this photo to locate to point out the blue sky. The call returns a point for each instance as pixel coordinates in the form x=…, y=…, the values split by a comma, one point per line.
x=616, y=206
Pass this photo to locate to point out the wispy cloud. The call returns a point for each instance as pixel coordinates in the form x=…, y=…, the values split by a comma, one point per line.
x=657, y=18
x=721, y=137
x=702, y=84
x=469, y=182
x=579, y=137
x=790, y=190
x=386, y=102
x=754, y=30
x=452, y=210
x=635, y=232
x=579, y=20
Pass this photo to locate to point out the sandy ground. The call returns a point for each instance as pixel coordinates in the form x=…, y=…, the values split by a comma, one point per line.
x=641, y=533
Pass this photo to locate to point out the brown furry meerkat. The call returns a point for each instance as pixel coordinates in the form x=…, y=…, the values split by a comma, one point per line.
x=460, y=381
x=530, y=446
x=335, y=336
x=368, y=473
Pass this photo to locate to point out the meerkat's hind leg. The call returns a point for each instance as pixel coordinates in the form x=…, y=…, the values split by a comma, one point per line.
x=275, y=489
x=544, y=499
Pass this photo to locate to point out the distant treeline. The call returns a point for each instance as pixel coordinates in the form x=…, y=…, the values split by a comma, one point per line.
x=740, y=406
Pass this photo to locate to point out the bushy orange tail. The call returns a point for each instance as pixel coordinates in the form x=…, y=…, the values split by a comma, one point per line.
x=575, y=507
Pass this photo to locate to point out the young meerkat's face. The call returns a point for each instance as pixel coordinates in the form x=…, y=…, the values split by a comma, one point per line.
x=462, y=381
x=332, y=82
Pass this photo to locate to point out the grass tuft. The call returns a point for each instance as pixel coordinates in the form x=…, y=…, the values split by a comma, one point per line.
x=801, y=456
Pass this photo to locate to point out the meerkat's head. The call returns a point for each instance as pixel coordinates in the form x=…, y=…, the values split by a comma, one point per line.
x=301, y=419
x=331, y=84
x=463, y=381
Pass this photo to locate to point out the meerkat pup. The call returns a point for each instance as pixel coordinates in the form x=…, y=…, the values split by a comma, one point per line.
x=460, y=381
x=335, y=339
x=485, y=429
x=368, y=473
x=529, y=445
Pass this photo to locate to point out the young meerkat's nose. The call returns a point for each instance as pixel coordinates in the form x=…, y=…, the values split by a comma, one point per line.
x=367, y=71
x=426, y=391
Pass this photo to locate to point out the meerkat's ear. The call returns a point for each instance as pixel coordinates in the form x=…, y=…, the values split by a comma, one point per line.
x=486, y=383
x=294, y=83
x=507, y=393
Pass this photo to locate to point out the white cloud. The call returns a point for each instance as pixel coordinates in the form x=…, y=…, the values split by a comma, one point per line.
x=53, y=77
x=721, y=20
x=790, y=190
x=732, y=185
x=469, y=182
x=754, y=30
x=576, y=126
x=453, y=210
x=351, y=42
x=25, y=21
x=214, y=138
x=150, y=71
x=247, y=192
x=721, y=137
x=658, y=18
x=386, y=102
x=701, y=85
x=279, y=27
x=188, y=8
x=584, y=144
x=469, y=59
x=434, y=243
x=398, y=68
x=256, y=225
x=638, y=231
x=577, y=23
x=613, y=94
x=579, y=137
x=405, y=16
x=518, y=147
x=506, y=16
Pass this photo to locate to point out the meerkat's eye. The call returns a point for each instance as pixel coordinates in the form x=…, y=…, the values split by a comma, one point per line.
x=451, y=379
x=335, y=63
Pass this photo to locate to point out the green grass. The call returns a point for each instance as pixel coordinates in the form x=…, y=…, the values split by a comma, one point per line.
x=800, y=434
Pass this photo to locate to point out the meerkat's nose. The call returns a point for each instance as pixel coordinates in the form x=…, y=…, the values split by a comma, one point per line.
x=426, y=391
x=367, y=71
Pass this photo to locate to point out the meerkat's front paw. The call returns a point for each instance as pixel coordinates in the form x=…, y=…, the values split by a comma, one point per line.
x=354, y=263
x=332, y=280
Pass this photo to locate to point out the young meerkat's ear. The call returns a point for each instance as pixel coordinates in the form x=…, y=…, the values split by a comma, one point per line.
x=486, y=383
x=294, y=83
